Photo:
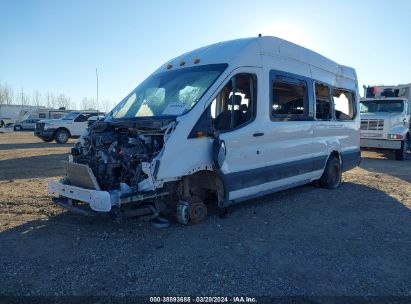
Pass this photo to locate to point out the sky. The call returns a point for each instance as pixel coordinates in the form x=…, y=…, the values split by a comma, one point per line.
x=56, y=45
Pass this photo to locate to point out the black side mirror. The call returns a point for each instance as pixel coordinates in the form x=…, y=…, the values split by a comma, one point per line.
x=219, y=152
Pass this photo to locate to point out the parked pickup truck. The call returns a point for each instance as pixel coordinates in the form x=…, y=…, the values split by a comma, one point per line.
x=385, y=119
x=71, y=125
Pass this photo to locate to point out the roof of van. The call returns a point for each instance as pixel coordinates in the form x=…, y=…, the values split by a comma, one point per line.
x=248, y=51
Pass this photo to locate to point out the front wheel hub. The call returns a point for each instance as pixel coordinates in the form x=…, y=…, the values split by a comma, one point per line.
x=191, y=210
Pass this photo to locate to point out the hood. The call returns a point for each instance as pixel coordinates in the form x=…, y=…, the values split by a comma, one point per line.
x=155, y=122
x=380, y=115
x=49, y=121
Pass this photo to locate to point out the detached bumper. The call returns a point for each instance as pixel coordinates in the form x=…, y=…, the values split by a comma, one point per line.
x=380, y=143
x=100, y=201
x=66, y=204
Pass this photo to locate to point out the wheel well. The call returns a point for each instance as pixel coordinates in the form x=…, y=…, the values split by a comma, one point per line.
x=335, y=154
x=64, y=129
x=204, y=184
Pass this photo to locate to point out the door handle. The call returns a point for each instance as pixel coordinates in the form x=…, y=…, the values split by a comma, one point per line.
x=258, y=134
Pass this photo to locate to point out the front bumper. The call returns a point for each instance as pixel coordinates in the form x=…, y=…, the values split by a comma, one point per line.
x=100, y=201
x=44, y=134
x=380, y=143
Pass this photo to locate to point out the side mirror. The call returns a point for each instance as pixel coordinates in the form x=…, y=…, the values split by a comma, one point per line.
x=219, y=152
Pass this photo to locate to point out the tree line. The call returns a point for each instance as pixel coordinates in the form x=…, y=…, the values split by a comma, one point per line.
x=9, y=95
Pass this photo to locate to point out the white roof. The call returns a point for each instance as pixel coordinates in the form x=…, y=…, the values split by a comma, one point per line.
x=251, y=51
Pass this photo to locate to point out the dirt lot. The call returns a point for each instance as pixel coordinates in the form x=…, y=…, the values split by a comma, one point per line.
x=355, y=240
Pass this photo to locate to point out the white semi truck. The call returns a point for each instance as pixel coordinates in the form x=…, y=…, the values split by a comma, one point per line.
x=385, y=118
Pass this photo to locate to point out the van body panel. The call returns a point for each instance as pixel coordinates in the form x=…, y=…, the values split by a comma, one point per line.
x=199, y=149
x=288, y=151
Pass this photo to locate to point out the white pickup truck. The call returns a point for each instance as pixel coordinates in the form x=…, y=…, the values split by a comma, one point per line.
x=385, y=119
x=71, y=125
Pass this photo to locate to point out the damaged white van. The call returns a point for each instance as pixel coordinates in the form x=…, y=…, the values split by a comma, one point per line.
x=221, y=124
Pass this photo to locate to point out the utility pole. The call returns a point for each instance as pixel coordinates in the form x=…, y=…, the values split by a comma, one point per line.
x=97, y=88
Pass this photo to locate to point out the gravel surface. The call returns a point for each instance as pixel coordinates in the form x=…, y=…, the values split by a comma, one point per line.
x=355, y=240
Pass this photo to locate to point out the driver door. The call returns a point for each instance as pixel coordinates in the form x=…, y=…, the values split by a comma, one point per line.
x=79, y=124
x=240, y=134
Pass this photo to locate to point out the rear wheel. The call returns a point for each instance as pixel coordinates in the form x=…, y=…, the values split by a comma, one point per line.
x=401, y=154
x=331, y=177
x=61, y=137
x=18, y=128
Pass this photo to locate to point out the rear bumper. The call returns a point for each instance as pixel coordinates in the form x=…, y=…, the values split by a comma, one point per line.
x=380, y=143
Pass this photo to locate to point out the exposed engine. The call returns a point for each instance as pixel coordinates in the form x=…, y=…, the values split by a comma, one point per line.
x=115, y=152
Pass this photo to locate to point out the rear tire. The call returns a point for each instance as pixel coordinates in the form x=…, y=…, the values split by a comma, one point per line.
x=401, y=154
x=17, y=128
x=331, y=177
x=61, y=137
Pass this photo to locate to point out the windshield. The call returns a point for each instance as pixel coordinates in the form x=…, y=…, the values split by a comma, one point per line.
x=372, y=106
x=170, y=93
x=70, y=116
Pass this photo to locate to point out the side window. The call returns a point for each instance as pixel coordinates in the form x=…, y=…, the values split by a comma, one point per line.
x=42, y=115
x=289, y=100
x=343, y=104
x=235, y=105
x=82, y=118
x=322, y=102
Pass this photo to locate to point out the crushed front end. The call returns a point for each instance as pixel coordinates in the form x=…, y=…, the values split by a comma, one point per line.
x=114, y=165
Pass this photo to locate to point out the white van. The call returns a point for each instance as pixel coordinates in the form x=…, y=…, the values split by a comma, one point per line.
x=221, y=124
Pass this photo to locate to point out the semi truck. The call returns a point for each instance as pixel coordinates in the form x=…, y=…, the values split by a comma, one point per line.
x=385, y=118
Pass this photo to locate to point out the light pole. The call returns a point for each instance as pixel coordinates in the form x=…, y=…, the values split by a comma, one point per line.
x=97, y=88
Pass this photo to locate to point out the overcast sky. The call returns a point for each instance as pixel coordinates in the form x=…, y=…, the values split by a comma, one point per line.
x=57, y=45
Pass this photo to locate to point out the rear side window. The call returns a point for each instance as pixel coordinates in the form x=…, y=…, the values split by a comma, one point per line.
x=289, y=100
x=322, y=102
x=82, y=118
x=343, y=104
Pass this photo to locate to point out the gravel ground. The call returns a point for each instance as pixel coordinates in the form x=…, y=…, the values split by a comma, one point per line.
x=355, y=240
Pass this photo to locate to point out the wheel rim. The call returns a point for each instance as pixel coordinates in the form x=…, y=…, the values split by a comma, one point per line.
x=198, y=212
x=335, y=174
x=62, y=137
